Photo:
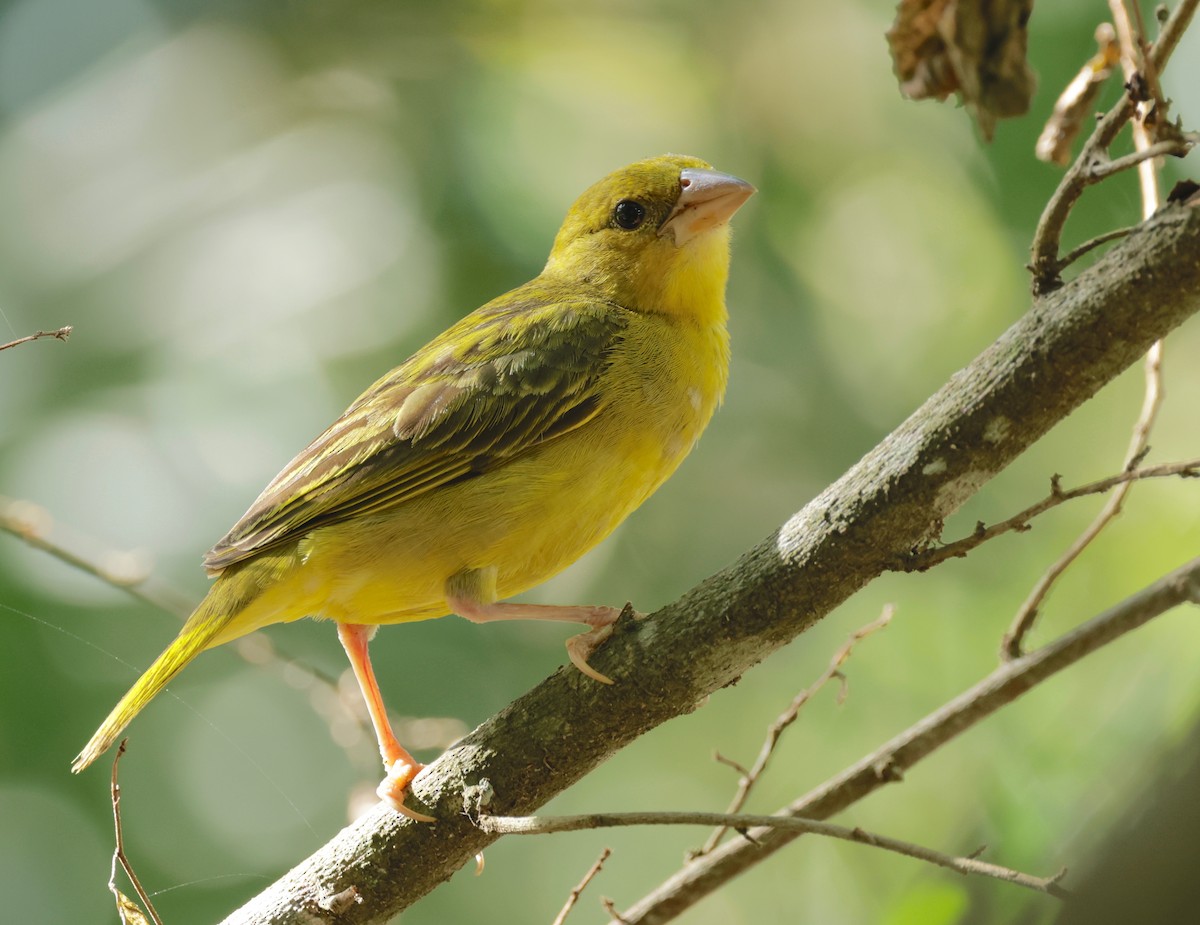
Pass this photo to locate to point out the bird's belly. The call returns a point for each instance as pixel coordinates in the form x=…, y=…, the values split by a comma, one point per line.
x=526, y=520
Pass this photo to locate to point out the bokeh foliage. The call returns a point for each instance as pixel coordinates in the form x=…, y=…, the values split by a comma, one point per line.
x=248, y=211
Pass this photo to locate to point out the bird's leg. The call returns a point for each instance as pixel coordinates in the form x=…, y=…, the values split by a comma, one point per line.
x=471, y=594
x=600, y=619
x=401, y=767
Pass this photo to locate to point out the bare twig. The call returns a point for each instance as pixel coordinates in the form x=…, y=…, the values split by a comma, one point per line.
x=1133, y=61
x=30, y=523
x=578, y=891
x=1087, y=246
x=119, y=849
x=547, y=825
x=1012, y=643
x=888, y=763
x=1074, y=105
x=730, y=763
x=1044, y=261
x=1131, y=40
x=60, y=334
x=750, y=777
x=927, y=558
x=1173, y=147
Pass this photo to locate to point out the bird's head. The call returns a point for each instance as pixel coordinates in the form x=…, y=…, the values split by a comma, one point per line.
x=654, y=237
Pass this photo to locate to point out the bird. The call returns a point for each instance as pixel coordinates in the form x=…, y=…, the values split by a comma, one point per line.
x=497, y=454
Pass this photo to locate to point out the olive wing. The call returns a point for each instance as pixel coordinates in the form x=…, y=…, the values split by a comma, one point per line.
x=510, y=376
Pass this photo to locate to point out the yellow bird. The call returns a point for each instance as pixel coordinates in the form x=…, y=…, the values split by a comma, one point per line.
x=497, y=454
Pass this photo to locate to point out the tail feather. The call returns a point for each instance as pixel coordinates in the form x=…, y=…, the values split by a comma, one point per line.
x=197, y=634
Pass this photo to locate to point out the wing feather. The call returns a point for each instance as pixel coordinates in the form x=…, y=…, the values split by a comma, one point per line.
x=514, y=374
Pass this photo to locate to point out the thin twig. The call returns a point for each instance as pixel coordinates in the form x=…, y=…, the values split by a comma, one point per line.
x=927, y=558
x=60, y=334
x=29, y=523
x=1133, y=60
x=1044, y=261
x=1171, y=147
x=730, y=763
x=1012, y=643
x=888, y=763
x=1131, y=39
x=578, y=891
x=750, y=777
x=1076, y=103
x=548, y=825
x=1089, y=245
x=119, y=847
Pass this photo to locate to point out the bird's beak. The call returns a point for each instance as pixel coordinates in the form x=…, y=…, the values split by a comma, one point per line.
x=707, y=199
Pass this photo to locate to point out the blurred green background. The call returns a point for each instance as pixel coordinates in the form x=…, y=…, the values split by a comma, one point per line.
x=249, y=211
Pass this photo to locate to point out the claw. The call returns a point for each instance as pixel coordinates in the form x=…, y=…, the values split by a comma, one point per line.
x=581, y=646
x=394, y=788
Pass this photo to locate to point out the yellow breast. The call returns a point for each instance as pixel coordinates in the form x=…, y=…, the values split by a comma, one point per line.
x=537, y=514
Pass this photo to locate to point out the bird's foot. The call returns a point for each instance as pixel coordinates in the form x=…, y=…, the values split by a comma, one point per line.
x=581, y=646
x=393, y=789
x=601, y=620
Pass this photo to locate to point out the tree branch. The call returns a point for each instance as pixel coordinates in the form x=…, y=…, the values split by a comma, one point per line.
x=925, y=559
x=573, y=898
x=128, y=910
x=1056, y=357
x=887, y=764
x=30, y=523
x=1134, y=61
x=58, y=334
x=549, y=825
x=748, y=777
x=1044, y=260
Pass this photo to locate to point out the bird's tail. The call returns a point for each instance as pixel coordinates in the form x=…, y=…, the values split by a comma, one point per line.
x=211, y=619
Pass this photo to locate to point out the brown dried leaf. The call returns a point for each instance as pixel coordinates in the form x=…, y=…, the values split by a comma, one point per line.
x=975, y=48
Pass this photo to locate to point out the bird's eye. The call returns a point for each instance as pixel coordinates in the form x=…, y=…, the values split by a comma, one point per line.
x=629, y=214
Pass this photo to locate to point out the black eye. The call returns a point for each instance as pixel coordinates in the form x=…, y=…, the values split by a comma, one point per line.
x=629, y=214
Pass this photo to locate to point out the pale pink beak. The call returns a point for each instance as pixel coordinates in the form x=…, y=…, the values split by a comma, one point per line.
x=707, y=200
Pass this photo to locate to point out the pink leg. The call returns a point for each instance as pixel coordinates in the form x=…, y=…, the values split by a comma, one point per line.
x=401, y=767
x=600, y=619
